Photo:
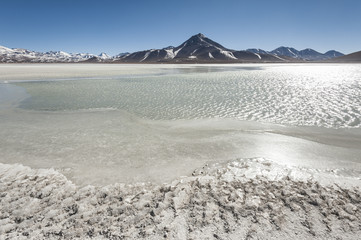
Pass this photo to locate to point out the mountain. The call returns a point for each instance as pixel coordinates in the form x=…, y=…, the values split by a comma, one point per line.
x=257, y=50
x=104, y=56
x=5, y=50
x=19, y=55
x=197, y=49
x=200, y=49
x=121, y=55
x=332, y=54
x=307, y=54
x=285, y=51
x=310, y=54
x=353, y=57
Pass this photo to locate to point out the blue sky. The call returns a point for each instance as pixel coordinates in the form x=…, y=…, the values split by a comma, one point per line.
x=125, y=26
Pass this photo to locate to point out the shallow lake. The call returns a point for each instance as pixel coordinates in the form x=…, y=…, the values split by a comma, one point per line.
x=100, y=124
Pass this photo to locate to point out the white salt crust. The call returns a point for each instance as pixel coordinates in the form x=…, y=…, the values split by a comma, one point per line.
x=243, y=199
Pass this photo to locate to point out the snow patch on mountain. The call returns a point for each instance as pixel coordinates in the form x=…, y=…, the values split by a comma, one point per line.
x=170, y=54
x=146, y=55
x=103, y=56
x=257, y=55
x=5, y=50
x=228, y=54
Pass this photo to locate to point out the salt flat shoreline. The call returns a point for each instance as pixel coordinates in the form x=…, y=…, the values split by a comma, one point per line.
x=246, y=198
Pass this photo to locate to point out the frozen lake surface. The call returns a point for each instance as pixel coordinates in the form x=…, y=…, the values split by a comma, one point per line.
x=102, y=124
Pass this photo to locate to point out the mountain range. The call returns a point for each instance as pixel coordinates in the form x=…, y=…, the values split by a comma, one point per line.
x=307, y=54
x=9, y=55
x=197, y=49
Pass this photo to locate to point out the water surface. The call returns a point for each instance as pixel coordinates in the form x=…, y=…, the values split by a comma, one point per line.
x=126, y=123
x=313, y=95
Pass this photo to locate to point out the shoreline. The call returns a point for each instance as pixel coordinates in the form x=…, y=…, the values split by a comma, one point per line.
x=240, y=199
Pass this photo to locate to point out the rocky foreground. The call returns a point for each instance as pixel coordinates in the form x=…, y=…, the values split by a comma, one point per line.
x=243, y=199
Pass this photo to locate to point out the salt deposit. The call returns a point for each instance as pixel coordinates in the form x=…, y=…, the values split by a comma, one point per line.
x=243, y=199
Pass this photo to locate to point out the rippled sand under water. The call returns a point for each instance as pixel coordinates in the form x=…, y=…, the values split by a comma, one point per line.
x=277, y=148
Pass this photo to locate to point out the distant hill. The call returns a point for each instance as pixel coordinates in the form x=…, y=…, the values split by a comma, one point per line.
x=353, y=57
x=332, y=54
x=307, y=54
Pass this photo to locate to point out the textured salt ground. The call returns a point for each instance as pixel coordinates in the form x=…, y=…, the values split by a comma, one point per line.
x=243, y=199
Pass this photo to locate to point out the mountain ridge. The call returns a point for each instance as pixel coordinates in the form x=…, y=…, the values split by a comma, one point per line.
x=307, y=54
x=19, y=55
x=197, y=49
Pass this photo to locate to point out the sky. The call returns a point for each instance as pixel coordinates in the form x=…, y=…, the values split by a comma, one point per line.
x=116, y=26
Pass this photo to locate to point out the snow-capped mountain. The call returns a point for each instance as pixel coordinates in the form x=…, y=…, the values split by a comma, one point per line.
x=285, y=51
x=5, y=50
x=198, y=48
x=307, y=54
x=9, y=55
x=104, y=56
